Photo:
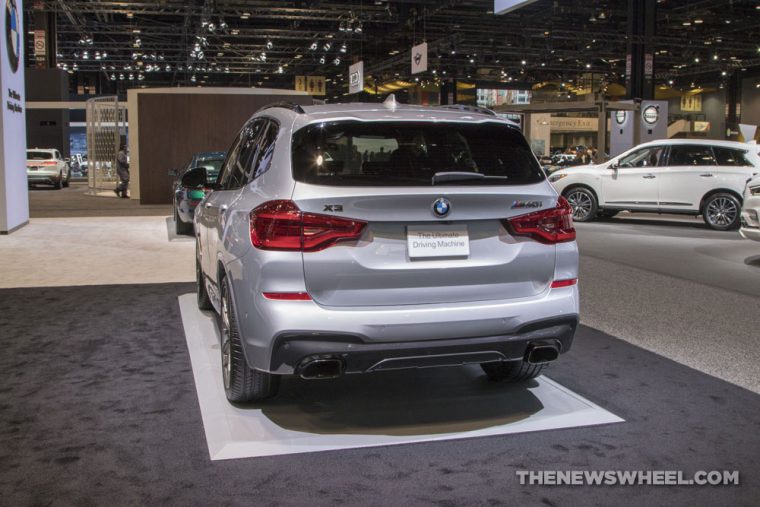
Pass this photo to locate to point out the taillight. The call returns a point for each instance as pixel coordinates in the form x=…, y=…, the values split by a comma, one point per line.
x=287, y=296
x=49, y=163
x=558, y=284
x=280, y=225
x=547, y=226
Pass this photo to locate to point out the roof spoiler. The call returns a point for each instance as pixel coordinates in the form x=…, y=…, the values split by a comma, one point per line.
x=292, y=106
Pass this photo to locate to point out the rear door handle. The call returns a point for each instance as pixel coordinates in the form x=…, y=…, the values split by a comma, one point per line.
x=223, y=208
x=706, y=175
x=649, y=176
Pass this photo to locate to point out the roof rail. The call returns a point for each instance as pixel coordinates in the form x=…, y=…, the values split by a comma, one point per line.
x=285, y=105
x=470, y=109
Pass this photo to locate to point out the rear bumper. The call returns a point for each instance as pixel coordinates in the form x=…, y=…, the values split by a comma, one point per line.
x=292, y=352
x=47, y=178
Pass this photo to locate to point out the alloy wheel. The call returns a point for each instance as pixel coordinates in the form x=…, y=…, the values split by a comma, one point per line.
x=722, y=212
x=581, y=204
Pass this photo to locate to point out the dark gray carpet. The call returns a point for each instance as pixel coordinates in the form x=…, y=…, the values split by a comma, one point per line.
x=98, y=406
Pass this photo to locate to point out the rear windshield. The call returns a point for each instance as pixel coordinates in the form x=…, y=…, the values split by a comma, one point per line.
x=39, y=155
x=411, y=154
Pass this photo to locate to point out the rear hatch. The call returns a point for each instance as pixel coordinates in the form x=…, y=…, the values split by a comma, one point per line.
x=435, y=199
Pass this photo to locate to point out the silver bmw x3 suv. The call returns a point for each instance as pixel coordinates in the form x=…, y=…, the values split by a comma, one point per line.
x=354, y=238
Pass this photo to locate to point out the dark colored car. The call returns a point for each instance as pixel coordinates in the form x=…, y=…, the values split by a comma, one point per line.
x=186, y=199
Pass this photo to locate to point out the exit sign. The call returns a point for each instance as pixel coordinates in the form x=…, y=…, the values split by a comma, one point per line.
x=506, y=6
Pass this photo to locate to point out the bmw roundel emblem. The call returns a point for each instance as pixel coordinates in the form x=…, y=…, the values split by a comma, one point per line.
x=441, y=207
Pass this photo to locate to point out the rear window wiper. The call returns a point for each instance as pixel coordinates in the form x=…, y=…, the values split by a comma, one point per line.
x=454, y=176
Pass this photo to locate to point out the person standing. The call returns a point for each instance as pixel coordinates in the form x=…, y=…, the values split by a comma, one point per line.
x=122, y=170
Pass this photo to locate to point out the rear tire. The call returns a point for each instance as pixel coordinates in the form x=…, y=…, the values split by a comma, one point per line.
x=608, y=213
x=583, y=202
x=722, y=212
x=512, y=371
x=241, y=383
x=59, y=182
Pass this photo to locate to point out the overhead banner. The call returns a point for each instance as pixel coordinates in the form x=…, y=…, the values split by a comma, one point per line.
x=315, y=85
x=506, y=6
x=419, y=58
x=300, y=84
x=356, y=77
x=14, y=196
x=748, y=132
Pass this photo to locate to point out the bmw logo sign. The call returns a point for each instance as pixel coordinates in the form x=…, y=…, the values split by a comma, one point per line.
x=441, y=207
x=620, y=117
x=12, y=34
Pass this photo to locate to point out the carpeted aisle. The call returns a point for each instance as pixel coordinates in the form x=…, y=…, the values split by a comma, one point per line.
x=98, y=406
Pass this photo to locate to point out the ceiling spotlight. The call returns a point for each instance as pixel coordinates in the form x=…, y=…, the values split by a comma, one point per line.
x=670, y=82
x=358, y=27
x=263, y=56
x=269, y=44
x=245, y=15
x=121, y=76
x=280, y=70
x=313, y=46
x=343, y=48
x=523, y=62
x=168, y=68
x=85, y=55
x=193, y=78
x=113, y=77
x=343, y=26
x=588, y=65
x=336, y=61
x=327, y=46
x=696, y=59
x=322, y=60
x=131, y=77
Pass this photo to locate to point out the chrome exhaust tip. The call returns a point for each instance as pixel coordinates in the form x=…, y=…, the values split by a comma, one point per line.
x=542, y=354
x=321, y=368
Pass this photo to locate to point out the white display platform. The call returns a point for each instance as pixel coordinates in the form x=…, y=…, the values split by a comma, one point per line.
x=384, y=408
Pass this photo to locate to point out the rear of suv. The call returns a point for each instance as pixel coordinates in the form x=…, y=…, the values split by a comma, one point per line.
x=357, y=238
x=48, y=167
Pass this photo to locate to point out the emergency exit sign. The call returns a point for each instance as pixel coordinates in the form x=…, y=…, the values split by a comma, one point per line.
x=506, y=6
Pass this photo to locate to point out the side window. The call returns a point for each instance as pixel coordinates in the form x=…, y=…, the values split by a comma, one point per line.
x=229, y=162
x=691, y=155
x=265, y=152
x=57, y=155
x=730, y=157
x=248, y=146
x=645, y=157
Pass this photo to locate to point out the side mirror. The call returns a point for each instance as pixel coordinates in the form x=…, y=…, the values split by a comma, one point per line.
x=195, y=178
x=614, y=165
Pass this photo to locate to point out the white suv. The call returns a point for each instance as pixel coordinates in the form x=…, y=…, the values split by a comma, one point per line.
x=693, y=177
x=751, y=211
x=47, y=166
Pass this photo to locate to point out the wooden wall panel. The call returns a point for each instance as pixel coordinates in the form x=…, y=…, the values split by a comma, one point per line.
x=174, y=126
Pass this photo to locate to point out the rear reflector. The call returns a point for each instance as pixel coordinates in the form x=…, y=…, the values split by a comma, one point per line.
x=280, y=225
x=556, y=284
x=288, y=296
x=546, y=226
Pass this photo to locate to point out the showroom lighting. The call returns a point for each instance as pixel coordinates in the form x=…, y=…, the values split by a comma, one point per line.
x=337, y=60
x=245, y=15
x=269, y=44
x=113, y=77
x=280, y=70
x=322, y=60
x=343, y=48
x=523, y=62
x=193, y=78
x=121, y=77
x=696, y=59
x=85, y=55
x=313, y=46
x=327, y=46
x=222, y=24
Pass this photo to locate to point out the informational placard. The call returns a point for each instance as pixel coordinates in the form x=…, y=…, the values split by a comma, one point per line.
x=442, y=241
x=506, y=6
x=356, y=77
x=14, y=196
x=315, y=85
x=748, y=131
x=420, y=58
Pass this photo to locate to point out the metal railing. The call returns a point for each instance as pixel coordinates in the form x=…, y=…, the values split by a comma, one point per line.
x=106, y=123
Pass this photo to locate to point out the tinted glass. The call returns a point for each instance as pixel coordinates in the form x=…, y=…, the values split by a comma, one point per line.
x=645, y=157
x=246, y=154
x=410, y=154
x=212, y=165
x=39, y=155
x=730, y=157
x=229, y=162
x=265, y=152
x=691, y=155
